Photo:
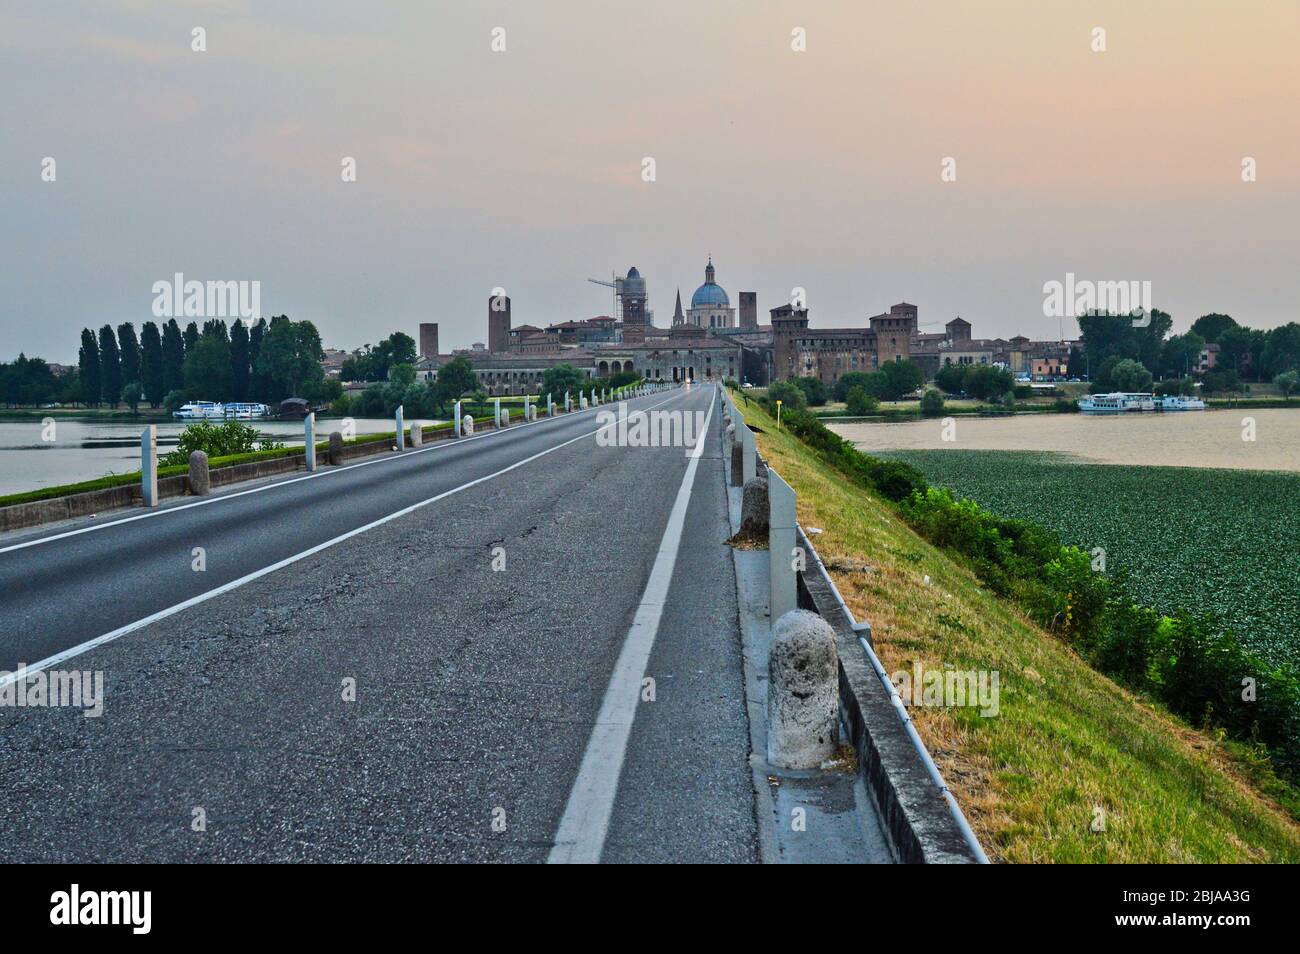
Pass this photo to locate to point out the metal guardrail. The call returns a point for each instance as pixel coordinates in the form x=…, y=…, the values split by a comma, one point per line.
x=781, y=501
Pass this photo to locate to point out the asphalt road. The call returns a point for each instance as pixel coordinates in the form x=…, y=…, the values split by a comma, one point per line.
x=476, y=689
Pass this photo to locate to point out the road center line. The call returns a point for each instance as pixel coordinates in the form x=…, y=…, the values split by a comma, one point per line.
x=287, y=561
x=580, y=838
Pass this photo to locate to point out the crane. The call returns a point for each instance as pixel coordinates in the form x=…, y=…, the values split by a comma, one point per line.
x=617, y=285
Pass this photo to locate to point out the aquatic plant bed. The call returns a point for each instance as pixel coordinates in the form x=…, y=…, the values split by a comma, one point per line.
x=1217, y=542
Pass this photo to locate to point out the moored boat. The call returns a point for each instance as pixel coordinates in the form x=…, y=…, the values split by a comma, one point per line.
x=1118, y=402
x=200, y=410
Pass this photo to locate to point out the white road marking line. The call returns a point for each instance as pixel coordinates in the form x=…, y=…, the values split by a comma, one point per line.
x=580, y=838
x=287, y=561
x=441, y=445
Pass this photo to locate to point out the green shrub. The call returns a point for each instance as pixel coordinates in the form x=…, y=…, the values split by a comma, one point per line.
x=216, y=440
x=932, y=403
x=860, y=402
x=790, y=395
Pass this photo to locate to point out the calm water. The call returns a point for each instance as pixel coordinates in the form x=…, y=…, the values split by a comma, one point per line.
x=85, y=449
x=1185, y=439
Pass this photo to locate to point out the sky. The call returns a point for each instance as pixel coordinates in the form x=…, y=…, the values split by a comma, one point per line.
x=523, y=169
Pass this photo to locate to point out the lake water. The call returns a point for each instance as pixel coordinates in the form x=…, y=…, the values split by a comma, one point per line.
x=1184, y=439
x=86, y=448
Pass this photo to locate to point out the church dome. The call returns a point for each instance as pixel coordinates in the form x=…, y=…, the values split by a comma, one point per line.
x=710, y=293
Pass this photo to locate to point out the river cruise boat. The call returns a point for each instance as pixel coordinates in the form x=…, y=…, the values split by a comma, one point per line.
x=200, y=411
x=246, y=412
x=1173, y=402
x=1120, y=402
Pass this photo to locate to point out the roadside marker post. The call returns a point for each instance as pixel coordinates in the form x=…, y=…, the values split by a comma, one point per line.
x=748, y=455
x=780, y=542
x=498, y=417
x=309, y=435
x=456, y=422
x=568, y=404
x=401, y=436
x=149, y=465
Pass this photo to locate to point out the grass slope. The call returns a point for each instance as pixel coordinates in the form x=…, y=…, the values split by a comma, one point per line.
x=1067, y=740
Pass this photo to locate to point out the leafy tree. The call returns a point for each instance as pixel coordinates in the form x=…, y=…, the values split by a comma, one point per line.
x=27, y=381
x=1288, y=382
x=151, y=364
x=555, y=381
x=257, y=383
x=848, y=381
x=110, y=366
x=129, y=349
x=290, y=356
x=241, y=368
x=403, y=374
x=207, y=369
x=951, y=378
x=373, y=364
x=1130, y=375
x=1281, y=350
x=174, y=400
x=88, y=365
x=814, y=390
x=902, y=377
x=985, y=382
x=860, y=402
x=1181, y=354
x=173, y=358
x=790, y=395
x=131, y=394
x=1212, y=326
x=1235, y=348
x=932, y=403
x=191, y=336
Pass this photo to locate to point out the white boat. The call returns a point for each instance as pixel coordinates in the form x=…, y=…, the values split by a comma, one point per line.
x=1172, y=402
x=246, y=412
x=1118, y=402
x=200, y=410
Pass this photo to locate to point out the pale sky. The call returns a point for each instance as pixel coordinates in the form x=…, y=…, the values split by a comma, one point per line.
x=522, y=168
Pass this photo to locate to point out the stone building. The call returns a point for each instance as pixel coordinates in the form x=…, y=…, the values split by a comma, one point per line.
x=827, y=353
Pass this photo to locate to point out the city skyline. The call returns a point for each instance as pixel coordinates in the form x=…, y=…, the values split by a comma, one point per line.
x=523, y=169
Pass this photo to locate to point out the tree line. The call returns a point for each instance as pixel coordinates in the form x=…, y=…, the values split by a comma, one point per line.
x=264, y=361
x=1118, y=354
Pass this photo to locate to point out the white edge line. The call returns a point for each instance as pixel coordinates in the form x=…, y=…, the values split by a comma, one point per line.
x=442, y=444
x=287, y=561
x=580, y=835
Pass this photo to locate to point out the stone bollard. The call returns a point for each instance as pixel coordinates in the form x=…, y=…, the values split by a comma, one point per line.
x=467, y=422
x=754, y=509
x=149, y=465
x=200, y=478
x=336, y=448
x=582, y=402
x=802, y=692
x=417, y=434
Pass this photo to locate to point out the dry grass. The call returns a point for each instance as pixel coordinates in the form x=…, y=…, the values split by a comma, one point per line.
x=1067, y=742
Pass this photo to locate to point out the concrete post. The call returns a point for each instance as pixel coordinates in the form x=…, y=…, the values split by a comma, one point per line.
x=400, y=436
x=497, y=419
x=455, y=431
x=802, y=692
x=781, y=537
x=309, y=438
x=417, y=434
x=582, y=402
x=749, y=455
x=567, y=403
x=200, y=477
x=336, y=448
x=527, y=409
x=149, y=465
